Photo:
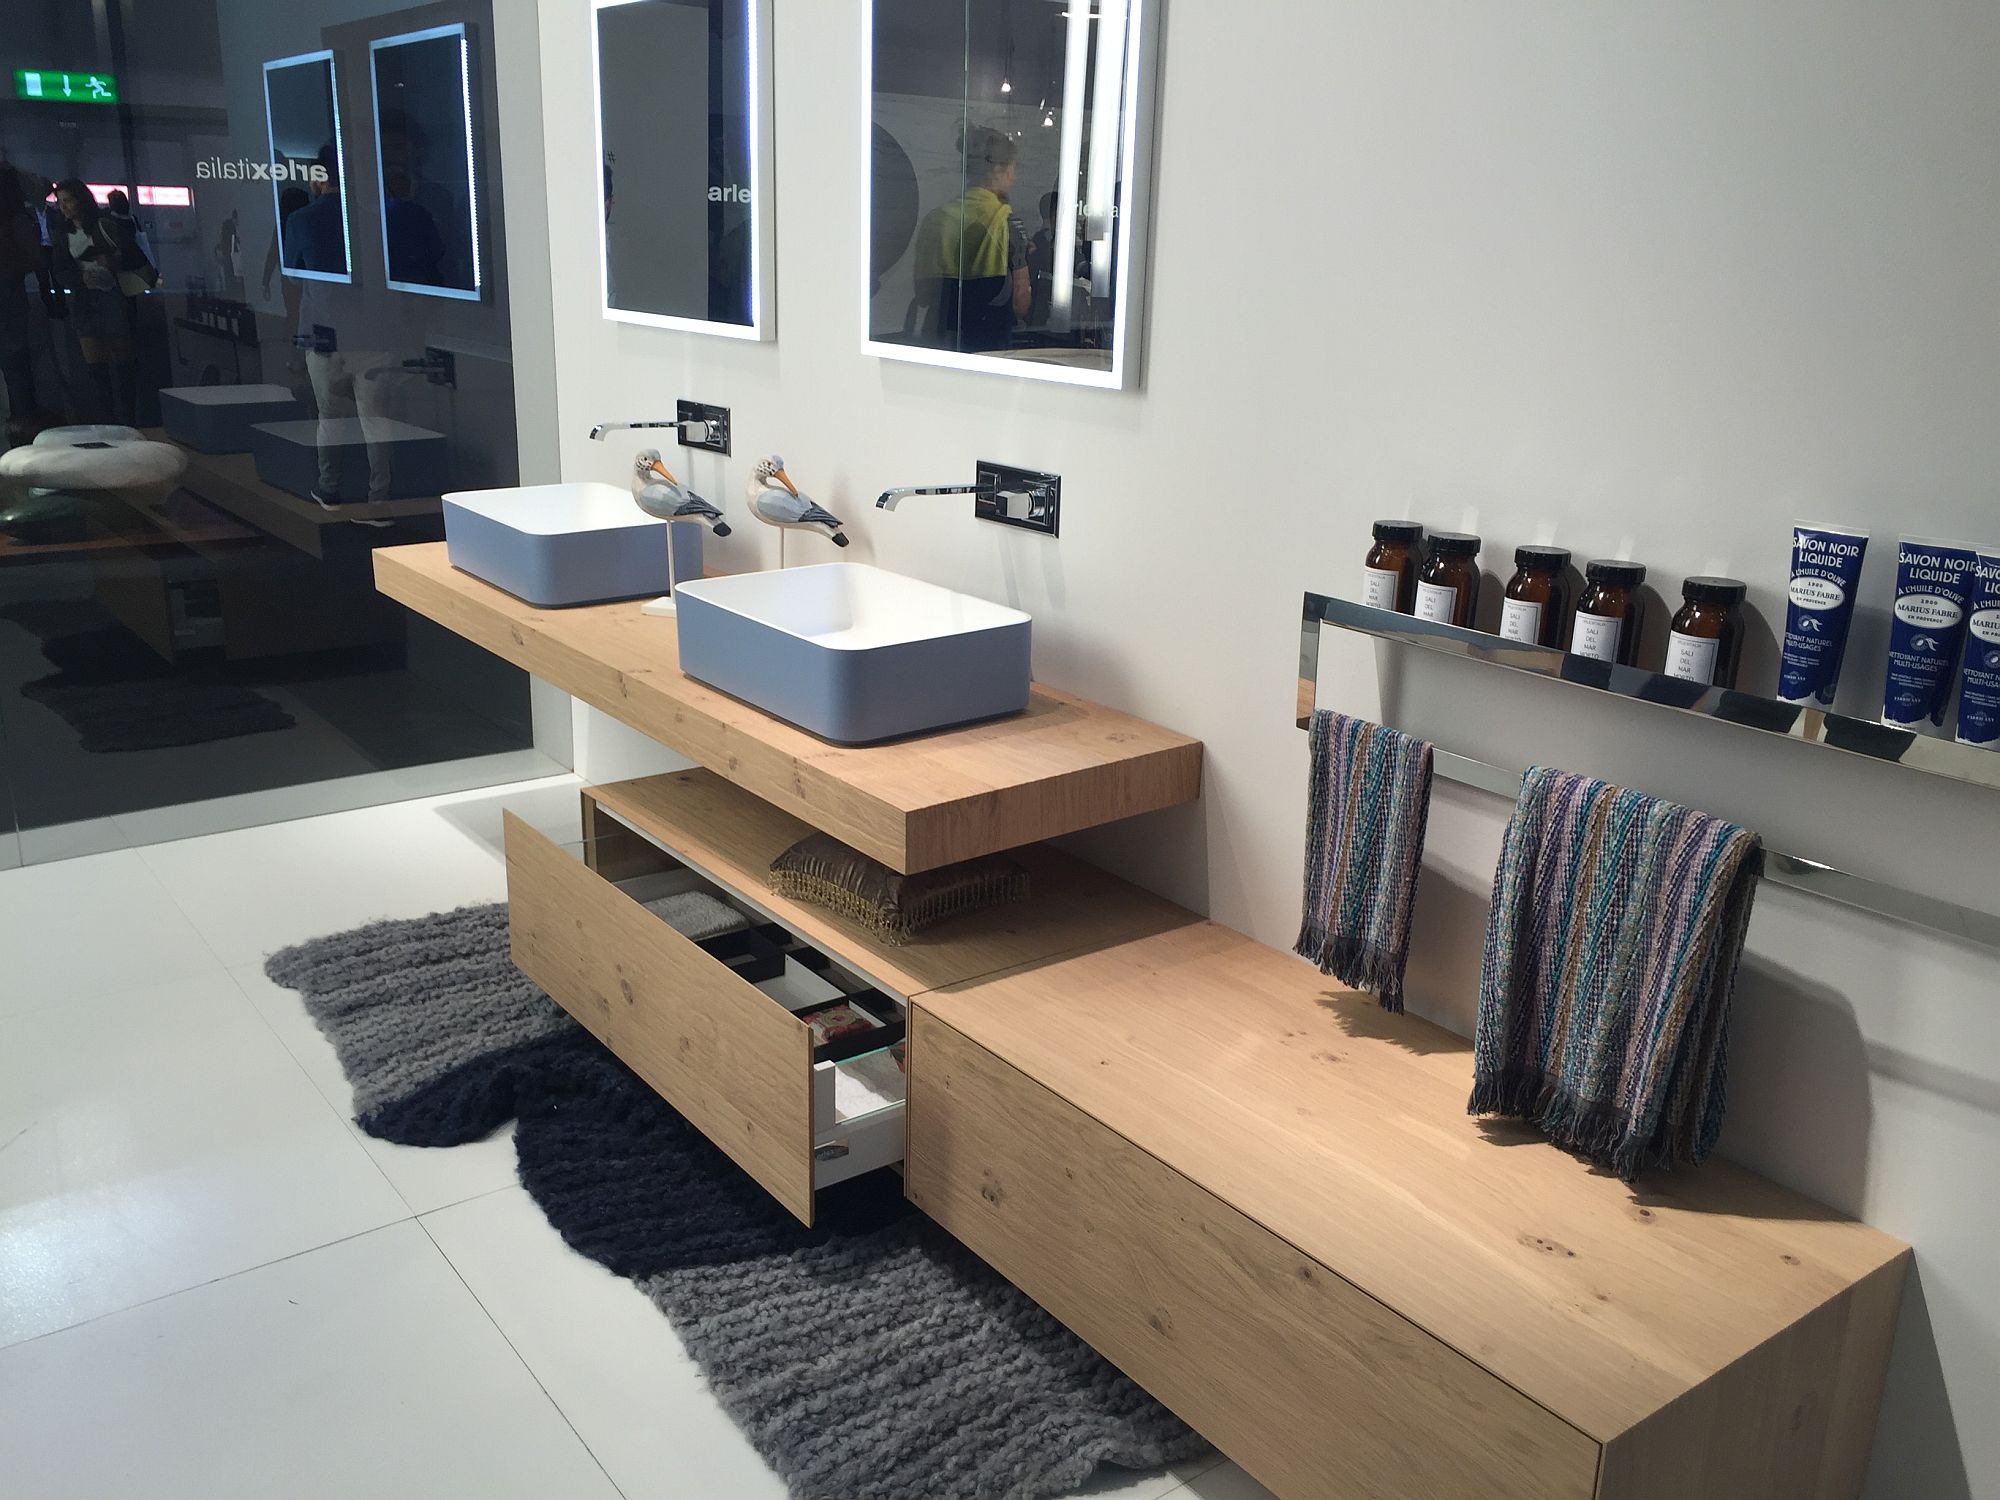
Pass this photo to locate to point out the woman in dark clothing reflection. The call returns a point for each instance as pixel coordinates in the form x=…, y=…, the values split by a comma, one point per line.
x=89, y=249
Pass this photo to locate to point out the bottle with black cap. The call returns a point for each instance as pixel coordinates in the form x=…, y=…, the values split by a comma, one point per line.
x=1389, y=574
x=1706, y=640
x=1536, y=596
x=1610, y=613
x=1448, y=586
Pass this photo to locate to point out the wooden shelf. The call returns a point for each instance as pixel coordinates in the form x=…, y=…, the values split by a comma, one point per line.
x=229, y=482
x=1061, y=765
x=1664, y=1322
x=731, y=837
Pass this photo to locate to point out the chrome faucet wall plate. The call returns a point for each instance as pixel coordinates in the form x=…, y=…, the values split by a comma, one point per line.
x=1028, y=498
x=717, y=417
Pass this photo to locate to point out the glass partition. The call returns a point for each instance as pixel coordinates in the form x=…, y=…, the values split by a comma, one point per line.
x=217, y=410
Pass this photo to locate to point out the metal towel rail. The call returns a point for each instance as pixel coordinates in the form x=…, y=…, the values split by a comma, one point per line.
x=1858, y=891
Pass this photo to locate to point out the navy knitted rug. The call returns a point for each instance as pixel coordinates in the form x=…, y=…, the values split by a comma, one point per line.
x=868, y=1358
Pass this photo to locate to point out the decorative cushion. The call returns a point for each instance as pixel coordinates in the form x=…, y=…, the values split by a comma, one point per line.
x=893, y=907
x=103, y=432
x=57, y=461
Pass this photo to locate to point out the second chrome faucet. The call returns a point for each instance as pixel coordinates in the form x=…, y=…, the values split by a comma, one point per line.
x=1028, y=498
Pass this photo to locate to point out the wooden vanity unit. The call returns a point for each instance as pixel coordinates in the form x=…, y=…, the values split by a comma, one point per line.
x=1059, y=766
x=1260, y=1195
x=1251, y=1189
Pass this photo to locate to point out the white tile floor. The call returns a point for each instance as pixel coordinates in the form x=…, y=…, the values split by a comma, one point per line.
x=212, y=1285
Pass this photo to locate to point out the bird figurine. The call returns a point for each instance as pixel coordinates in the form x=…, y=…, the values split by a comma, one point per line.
x=661, y=495
x=776, y=501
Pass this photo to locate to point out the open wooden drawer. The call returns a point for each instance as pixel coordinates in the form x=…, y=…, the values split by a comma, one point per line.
x=719, y=1026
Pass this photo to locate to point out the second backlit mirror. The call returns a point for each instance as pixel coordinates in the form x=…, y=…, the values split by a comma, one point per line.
x=1008, y=173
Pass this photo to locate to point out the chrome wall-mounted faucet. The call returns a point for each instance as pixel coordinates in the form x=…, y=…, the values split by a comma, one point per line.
x=694, y=428
x=438, y=366
x=1028, y=498
x=889, y=499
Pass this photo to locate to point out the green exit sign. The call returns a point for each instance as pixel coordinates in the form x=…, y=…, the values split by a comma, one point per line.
x=65, y=88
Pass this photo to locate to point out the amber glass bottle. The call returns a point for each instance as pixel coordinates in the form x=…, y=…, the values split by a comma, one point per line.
x=1706, y=640
x=1448, y=585
x=1610, y=613
x=1537, y=595
x=1389, y=575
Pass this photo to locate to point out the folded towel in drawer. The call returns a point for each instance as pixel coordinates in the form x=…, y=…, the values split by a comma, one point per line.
x=1611, y=952
x=696, y=914
x=1369, y=802
x=895, y=908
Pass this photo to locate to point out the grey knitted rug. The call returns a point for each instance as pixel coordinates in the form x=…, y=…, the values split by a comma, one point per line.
x=869, y=1358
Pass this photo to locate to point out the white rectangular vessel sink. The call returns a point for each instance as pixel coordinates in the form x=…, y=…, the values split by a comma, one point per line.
x=852, y=653
x=562, y=544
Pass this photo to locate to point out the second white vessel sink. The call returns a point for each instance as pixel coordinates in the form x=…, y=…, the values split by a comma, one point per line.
x=852, y=653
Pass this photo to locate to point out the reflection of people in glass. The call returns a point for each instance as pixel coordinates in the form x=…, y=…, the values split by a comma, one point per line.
x=971, y=258
x=316, y=232
x=1041, y=263
x=418, y=214
x=88, y=251
x=21, y=256
x=136, y=272
x=416, y=249
x=290, y=201
x=316, y=240
x=227, y=259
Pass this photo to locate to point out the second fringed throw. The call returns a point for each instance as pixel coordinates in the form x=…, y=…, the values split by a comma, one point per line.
x=1611, y=952
x=1369, y=802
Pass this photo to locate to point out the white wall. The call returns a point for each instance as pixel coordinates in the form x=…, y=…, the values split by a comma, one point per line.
x=1645, y=280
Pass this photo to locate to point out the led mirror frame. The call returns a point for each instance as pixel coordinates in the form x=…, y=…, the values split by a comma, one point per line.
x=1135, y=165
x=340, y=162
x=477, y=291
x=762, y=324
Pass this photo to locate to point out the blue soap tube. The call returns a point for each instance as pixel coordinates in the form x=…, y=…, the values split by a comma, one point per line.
x=1979, y=678
x=1933, y=588
x=1819, y=606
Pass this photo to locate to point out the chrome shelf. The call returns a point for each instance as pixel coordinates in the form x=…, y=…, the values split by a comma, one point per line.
x=1744, y=710
x=1808, y=726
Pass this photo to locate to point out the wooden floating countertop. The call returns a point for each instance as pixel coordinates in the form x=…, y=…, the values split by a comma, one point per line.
x=1060, y=765
x=1342, y=1130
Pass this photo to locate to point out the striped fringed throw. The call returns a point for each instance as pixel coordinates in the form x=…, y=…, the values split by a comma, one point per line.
x=1610, y=956
x=1368, y=802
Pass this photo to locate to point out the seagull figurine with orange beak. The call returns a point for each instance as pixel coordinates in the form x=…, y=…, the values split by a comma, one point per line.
x=664, y=497
x=776, y=501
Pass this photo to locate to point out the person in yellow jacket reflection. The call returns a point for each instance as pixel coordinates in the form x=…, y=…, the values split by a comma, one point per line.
x=971, y=257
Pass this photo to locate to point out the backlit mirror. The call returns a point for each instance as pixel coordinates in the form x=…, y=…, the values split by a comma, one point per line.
x=1008, y=171
x=682, y=138
x=308, y=177
x=428, y=168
